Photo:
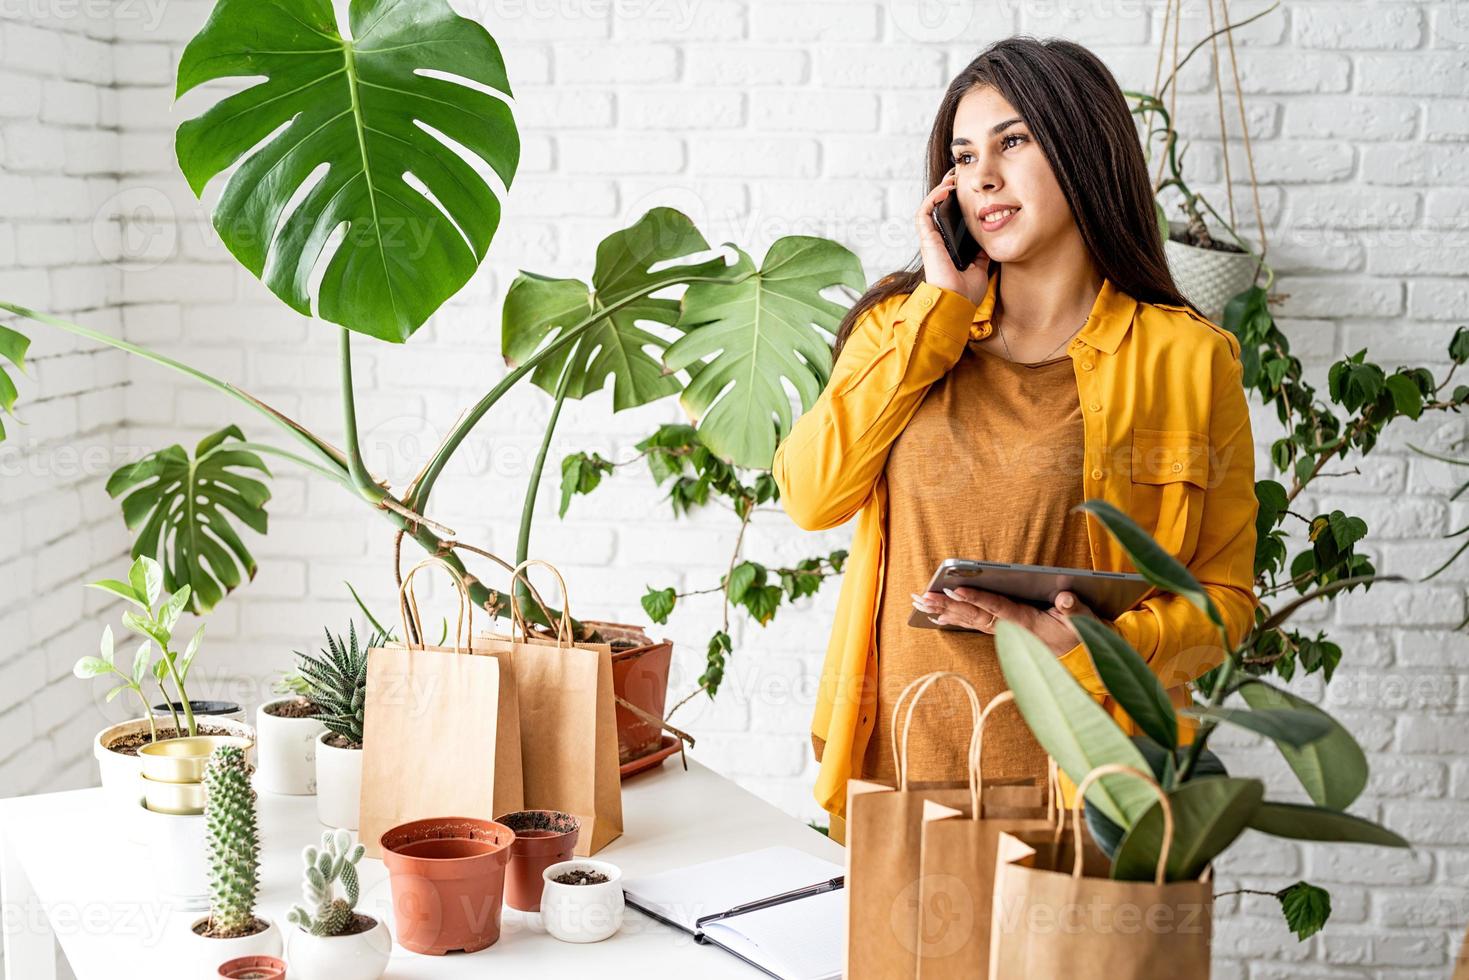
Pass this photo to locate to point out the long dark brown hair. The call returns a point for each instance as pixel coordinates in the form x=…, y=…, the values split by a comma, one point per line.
x=1080, y=118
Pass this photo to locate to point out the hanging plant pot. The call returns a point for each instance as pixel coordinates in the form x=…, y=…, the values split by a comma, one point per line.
x=288, y=729
x=338, y=782
x=447, y=875
x=1207, y=277
x=542, y=838
x=640, y=676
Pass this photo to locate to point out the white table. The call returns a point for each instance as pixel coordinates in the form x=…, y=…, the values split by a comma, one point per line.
x=65, y=878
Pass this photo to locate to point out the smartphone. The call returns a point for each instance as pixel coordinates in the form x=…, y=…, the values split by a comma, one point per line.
x=963, y=247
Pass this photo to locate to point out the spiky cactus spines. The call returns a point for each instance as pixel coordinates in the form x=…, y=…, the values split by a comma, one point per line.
x=234, y=843
x=336, y=682
x=336, y=860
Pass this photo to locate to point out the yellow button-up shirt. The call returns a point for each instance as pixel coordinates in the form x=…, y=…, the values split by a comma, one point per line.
x=1167, y=441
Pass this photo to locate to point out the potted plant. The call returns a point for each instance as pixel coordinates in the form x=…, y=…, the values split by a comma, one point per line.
x=542, y=838
x=336, y=683
x=116, y=746
x=447, y=876
x=287, y=730
x=1210, y=808
x=332, y=940
x=232, y=928
x=583, y=901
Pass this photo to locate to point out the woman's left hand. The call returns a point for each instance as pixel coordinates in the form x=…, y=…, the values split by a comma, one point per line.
x=979, y=610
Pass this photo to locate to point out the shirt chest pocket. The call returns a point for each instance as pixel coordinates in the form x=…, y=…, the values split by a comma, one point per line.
x=1170, y=473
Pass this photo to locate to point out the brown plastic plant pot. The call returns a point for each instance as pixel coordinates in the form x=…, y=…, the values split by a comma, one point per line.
x=542, y=838
x=254, y=968
x=639, y=675
x=447, y=875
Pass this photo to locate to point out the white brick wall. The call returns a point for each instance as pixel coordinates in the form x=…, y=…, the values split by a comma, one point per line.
x=758, y=119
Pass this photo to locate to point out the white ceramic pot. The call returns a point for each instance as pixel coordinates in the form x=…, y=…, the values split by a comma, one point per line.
x=582, y=913
x=287, y=751
x=338, y=784
x=202, y=956
x=177, y=855
x=122, y=775
x=1208, y=278
x=363, y=956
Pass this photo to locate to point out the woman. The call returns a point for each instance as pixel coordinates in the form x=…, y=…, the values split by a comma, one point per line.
x=962, y=406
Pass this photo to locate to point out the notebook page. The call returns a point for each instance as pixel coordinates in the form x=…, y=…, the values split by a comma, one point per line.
x=682, y=895
x=801, y=940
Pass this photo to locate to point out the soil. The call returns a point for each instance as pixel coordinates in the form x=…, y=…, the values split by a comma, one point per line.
x=578, y=876
x=1215, y=246
x=540, y=823
x=340, y=742
x=295, y=708
x=130, y=744
x=202, y=927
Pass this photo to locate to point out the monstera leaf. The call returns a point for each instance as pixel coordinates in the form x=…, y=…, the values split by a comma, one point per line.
x=183, y=506
x=416, y=218
x=537, y=308
x=13, y=349
x=753, y=330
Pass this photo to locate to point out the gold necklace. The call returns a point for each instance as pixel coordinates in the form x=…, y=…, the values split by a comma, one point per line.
x=1001, y=327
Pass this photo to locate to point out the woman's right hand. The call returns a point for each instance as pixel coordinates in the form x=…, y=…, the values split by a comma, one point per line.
x=938, y=267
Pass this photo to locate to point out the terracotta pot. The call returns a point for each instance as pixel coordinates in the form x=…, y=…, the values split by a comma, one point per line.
x=254, y=968
x=447, y=876
x=542, y=838
x=640, y=676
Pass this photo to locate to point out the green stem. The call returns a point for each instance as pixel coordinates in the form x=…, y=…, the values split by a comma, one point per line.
x=328, y=455
x=335, y=475
x=178, y=684
x=527, y=510
x=361, y=479
x=148, y=712
x=1220, y=691
x=168, y=702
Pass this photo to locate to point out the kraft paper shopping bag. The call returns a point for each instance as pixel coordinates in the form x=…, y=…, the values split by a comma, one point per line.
x=884, y=843
x=441, y=733
x=1056, y=912
x=568, y=721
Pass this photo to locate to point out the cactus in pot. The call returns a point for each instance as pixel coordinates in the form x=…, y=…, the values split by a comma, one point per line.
x=234, y=844
x=332, y=940
x=336, y=860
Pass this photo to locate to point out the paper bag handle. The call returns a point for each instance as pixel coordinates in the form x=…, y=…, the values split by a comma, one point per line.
x=1118, y=767
x=408, y=606
x=516, y=618
x=922, y=684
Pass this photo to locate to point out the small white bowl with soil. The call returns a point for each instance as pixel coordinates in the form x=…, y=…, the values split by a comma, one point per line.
x=206, y=952
x=287, y=729
x=359, y=952
x=582, y=901
x=338, y=780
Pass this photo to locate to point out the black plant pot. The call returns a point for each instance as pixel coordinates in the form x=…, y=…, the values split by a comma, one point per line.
x=228, y=709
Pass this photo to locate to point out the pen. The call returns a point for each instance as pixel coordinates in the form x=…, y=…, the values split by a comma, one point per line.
x=765, y=903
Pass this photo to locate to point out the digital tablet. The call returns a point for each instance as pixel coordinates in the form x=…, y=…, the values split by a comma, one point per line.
x=1108, y=594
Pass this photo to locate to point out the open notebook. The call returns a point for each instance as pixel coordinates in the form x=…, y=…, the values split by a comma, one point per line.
x=804, y=939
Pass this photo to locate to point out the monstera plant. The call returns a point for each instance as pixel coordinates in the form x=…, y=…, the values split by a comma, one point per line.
x=1210, y=808
x=347, y=192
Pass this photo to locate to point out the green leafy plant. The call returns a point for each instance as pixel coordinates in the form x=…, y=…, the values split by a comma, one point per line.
x=326, y=913
x=181, y=509
x=154, y=621
x=696, y=477
x=233, y=841
x=133, y=677
x=1210, y=808
x=336, y=682
x=13, y=346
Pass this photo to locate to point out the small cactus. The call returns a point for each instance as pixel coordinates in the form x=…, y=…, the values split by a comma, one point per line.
x=233, y=841
x=335, y=860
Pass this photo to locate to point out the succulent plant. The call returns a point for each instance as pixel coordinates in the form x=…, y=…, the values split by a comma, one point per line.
x=233, y=843
x=336, y=860
x=336, y=682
